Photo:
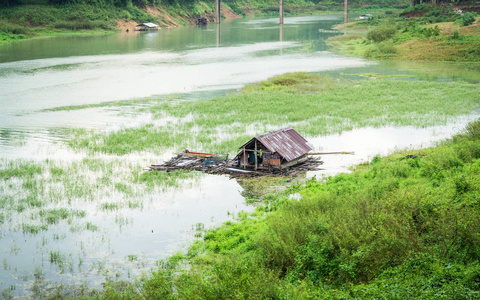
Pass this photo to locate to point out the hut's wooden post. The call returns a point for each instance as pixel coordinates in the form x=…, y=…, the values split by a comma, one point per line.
x=244, y=159
x=345, y=12
x=269, y=161
x=256, y=162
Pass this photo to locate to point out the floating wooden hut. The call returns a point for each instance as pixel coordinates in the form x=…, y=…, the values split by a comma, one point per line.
x=277, y=149
x=277, y=153
x=146, y=27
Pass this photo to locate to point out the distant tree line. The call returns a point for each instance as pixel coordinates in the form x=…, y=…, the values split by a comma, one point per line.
x=124, y=3
x=102, y=3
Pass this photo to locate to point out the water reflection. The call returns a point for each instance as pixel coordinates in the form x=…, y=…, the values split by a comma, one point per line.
x=368, y=142
x=414, y=70
x=162, y=225
x=281, y=32
x=218, y=34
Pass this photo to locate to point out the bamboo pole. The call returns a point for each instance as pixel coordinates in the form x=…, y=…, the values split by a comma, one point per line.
x=325, y=153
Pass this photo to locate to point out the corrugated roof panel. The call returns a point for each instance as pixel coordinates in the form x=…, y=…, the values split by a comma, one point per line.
x=151, y=25
x=286, y=142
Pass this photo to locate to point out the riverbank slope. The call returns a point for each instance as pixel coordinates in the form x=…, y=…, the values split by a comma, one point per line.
x=45, y=19
x=423, y=33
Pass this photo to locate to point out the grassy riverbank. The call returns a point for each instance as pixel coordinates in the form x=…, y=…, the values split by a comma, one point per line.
x=397, y=227
x=424, y=32
x=43, y=20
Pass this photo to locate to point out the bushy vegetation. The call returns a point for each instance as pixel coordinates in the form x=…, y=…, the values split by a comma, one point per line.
x=468, y=18
x=399, y=227
x=422, y=32
x=28, y=21
x=381, y=33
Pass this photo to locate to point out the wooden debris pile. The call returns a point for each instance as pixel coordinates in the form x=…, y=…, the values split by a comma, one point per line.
x=192, y=161
x=220, y=164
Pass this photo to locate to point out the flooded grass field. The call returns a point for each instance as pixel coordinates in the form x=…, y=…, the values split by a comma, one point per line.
x=96, y=215
x=77, y=207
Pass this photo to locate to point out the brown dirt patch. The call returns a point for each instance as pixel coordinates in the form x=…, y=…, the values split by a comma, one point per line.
x=250, y=12
x=168, y=20
x=153, y=11
x=445, y=28
x=228, y=14
x=419, y=49
x=123, y=25
x=413, y=14
x=164, y=19
x=450, y=27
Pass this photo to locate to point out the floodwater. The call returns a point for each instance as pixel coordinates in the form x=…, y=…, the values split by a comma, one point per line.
x=195, y=63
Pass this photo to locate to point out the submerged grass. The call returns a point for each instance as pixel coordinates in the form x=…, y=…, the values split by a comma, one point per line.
x=37, y=195
x=54, y=215
x=326, y=106
x=19, y=169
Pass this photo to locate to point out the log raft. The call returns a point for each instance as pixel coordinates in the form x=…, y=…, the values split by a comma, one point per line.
x=220, y=164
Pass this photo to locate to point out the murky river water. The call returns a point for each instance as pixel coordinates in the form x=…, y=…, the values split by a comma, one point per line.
x=196, y=62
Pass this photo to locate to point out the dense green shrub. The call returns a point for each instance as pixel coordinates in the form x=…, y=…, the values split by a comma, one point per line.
x=13, y=29
x=415, y=30
x=468, y=18
x=381, y=33
x=420, y=9
x=387, y=48
x=456, y=35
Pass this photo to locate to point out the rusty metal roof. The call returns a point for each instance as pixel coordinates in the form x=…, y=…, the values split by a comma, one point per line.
x=286, y=142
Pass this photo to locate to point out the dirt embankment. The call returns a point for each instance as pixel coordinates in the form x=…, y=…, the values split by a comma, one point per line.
x=228, y=14
x=166, y=20
x=123, y=25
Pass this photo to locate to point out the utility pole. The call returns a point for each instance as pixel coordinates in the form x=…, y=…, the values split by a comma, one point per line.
x=217, y=10
x=345, y=13
x=281, y=11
